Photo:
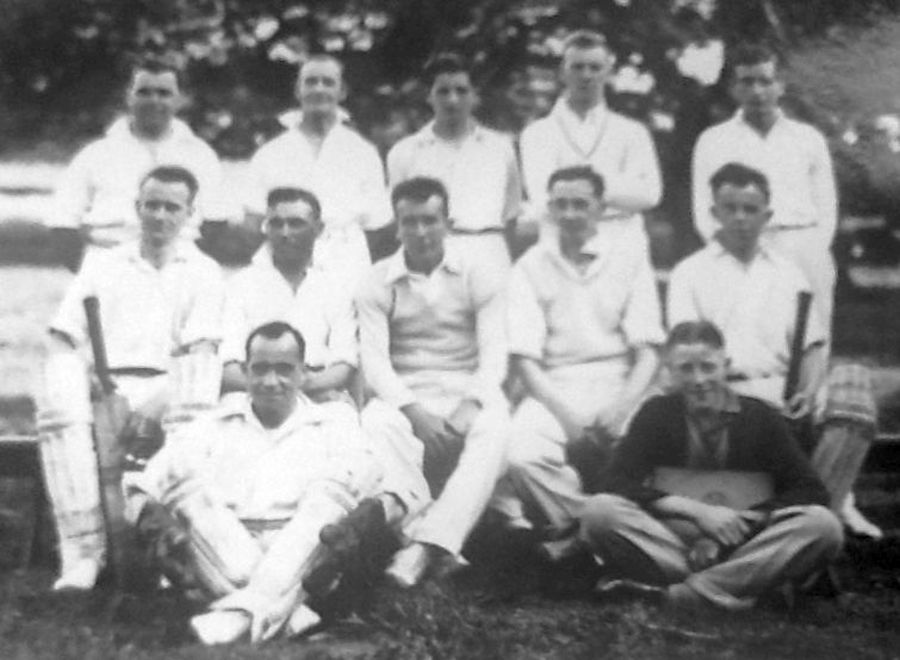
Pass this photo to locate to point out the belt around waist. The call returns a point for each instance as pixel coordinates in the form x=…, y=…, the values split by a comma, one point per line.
x=140, y=372
x=742, y=377
x=462, y=231
x=808, y=225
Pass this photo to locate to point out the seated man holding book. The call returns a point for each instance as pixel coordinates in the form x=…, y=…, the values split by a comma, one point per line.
x=762, y=520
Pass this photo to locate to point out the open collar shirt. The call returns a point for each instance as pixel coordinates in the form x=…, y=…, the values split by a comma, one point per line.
x=99, y=188
x=618, y=148
x=320, y=309
x=451, y=320
x=754, y=304
x=560, y=315
x=260, y=473
x=480, y=172
x=147, y=313
x=345, y=172
x=794, y=157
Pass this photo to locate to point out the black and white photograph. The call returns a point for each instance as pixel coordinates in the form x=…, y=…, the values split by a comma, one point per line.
x=450, y=330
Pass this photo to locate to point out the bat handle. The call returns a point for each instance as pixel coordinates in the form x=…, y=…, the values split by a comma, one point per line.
x=98, y=346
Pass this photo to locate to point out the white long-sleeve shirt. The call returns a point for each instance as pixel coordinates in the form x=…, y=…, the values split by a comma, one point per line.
x=794, y=157
x=618, y=148
x=99, y=188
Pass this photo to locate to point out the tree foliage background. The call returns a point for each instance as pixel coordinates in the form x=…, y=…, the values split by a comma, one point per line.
x=63, y=63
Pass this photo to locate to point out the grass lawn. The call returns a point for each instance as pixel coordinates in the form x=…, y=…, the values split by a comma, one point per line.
x=465, y=619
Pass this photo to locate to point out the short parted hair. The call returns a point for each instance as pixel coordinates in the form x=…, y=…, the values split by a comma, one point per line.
x=276, y=330
x=740, y=176
x=579, y=173
x=695, y=332
x=287, y=195
x=751, y=54
x=156, y=66
x=585, y=40
x=420, y=189
x=173, y=174
x=321, y=57
x=445, y=62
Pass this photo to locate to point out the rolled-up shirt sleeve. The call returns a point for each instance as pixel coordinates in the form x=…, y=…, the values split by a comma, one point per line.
x=373, y=305
x=637, y=186
x=525, y=323
x=72, y=198
x=70, y=318
x=343, y=330
x=204, y=320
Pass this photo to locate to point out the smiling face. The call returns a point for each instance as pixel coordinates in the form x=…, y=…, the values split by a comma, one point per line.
x=275, y=375
x=163, y=208
x=320, y=87
x=422, y=228
x=758, y=89
x=742, y=212
x=291, y=229
x=575, y=209
x=152, y=101
x=699, y=373
x=585, y=72
x=453, y=98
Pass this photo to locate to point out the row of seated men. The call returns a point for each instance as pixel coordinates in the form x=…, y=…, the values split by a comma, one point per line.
x=431, y=438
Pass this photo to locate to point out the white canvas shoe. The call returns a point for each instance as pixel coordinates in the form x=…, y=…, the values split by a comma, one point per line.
x=301, y=621
x=81, y=577
x=220, y=626
x=409, y=565
x=856, y=522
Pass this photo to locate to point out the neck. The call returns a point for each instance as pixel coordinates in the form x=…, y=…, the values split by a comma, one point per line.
x=761, y=122
x=582, y=106
x=272, y=419
x=157, y=255
x=453, y=130
x=317, y=124
x=149, y=132
x=425, y=266
x=741, y=251
x=293, y=270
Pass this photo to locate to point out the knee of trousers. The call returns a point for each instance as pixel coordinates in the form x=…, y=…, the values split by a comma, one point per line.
x=818, y=525
x=604, y=514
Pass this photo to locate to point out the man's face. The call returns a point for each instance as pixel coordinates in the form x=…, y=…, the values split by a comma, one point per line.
x=575, y=210
x=757, y=89
x=291, y=229
x=742, y=213
x=452, y=97
x=163, y=208
x=152, y=100
x=585, y=72
x=699, y=373
x=320, y=87
x=422, y=228
x=274, y=376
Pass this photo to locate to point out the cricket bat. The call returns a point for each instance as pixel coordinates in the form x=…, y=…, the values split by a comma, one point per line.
x=111, y=412
x=792, y=381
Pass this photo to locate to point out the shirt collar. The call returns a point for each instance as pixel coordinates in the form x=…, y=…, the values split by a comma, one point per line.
x=120, y=129
x=730, y=406
x=426, y=136
x=718, y=250
x=397, y=269
x=594, y=116
x=780, y=120
x=183, y=251
x=306, y=412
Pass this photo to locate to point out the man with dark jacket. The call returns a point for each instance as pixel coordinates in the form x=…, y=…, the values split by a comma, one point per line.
x=708, y=552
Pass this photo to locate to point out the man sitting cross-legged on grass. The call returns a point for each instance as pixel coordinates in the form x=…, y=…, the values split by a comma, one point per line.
x=749, y=290
x=284, y=283
x=432, y=347
x=724, y=556
x=238, y=500
x=160, y=304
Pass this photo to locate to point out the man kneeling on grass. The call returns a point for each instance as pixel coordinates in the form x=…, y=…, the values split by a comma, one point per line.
x=762, y=525
x=244, y=505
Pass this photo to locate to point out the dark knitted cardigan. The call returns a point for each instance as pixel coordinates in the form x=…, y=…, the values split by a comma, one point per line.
x=758, y=441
